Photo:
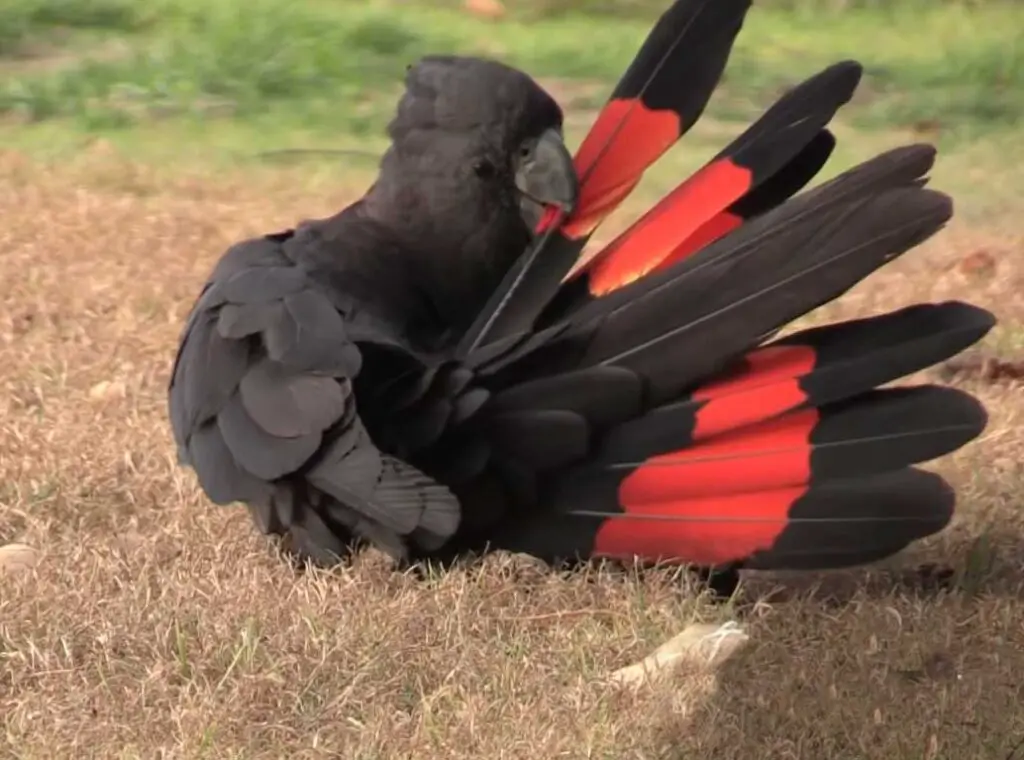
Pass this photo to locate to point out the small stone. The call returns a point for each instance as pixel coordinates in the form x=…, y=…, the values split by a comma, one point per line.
x=108, y=389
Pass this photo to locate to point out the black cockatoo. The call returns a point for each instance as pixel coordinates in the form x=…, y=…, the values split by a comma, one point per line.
x=419, y=372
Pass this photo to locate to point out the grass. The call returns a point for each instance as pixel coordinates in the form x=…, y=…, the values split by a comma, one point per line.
x=158, y=626
x=322, y=70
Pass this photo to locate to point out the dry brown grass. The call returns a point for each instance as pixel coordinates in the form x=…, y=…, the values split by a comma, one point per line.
x=156, y=625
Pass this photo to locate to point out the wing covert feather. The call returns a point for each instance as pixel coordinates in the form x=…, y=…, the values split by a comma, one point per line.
x=262, y=398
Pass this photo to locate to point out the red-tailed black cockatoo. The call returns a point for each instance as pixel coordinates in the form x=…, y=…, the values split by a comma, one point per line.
x=419, y=372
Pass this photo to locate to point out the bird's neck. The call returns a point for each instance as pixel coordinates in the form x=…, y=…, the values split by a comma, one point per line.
x=400, y=278
x=456, y=251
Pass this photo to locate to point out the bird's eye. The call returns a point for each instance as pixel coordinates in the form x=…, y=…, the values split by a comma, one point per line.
x=484, y=169
x=525, y=151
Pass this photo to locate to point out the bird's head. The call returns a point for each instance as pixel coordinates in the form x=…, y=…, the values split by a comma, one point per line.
x=476, y=155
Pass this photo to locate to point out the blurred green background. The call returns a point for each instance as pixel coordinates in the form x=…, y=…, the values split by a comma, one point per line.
x=333, y=65
x=208, y=82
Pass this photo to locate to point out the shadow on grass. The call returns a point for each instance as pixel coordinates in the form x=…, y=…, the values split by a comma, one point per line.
x=876, y=664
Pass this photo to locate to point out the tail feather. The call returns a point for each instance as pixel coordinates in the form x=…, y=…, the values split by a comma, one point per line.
x=875, y=432
x=781, y=186
x=764, y=149
x=605, y=395
x=685, y=324
x=788, y=181
x=649, y=110
x=767, y=492
x=836, y=524
x=785, y=183
x=807, y=369
x=852, y=522
x=807, y=213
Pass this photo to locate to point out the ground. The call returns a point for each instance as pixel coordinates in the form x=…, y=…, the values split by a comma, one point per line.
x=158, y=625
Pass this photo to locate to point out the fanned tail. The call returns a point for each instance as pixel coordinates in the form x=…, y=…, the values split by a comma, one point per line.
x=655, y=427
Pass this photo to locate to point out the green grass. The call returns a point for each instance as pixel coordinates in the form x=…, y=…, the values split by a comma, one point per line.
x=192, y=74
x=24, y=22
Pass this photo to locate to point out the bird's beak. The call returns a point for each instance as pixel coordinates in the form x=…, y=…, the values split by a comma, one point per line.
x=546, y=176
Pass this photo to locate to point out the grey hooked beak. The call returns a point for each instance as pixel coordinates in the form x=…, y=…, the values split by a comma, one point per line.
x=546, y=176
